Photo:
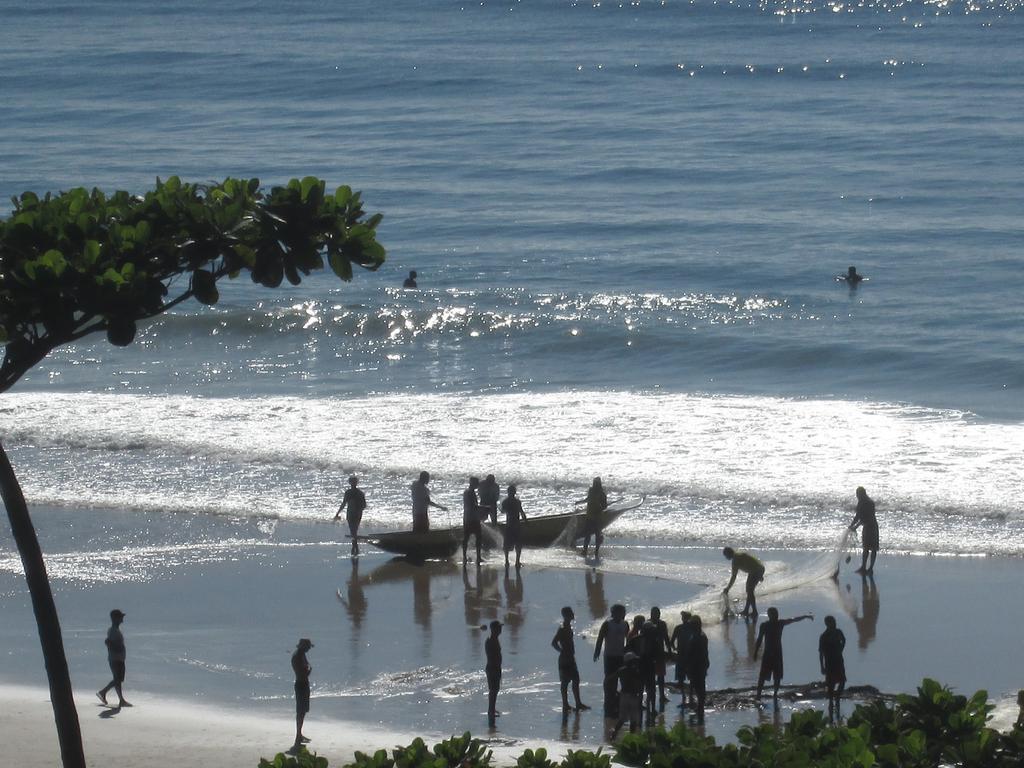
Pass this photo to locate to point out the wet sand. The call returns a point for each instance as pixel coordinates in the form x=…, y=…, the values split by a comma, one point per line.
x=399, y=651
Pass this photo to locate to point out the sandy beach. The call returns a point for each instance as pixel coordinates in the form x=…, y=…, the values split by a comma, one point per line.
x=399, y=651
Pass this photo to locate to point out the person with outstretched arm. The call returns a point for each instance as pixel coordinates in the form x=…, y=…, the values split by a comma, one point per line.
x=750, y=565
x=421, y=502
x=770, y=634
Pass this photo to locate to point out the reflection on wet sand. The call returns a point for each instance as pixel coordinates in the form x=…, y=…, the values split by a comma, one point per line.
x=740, y=664
x=866, y=619
x=354, y=601
x=515, y=613
x=596, y=601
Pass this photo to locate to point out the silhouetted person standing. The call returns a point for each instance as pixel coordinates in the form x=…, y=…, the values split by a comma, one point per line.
x=597, y=502
x=612, y=637
x=490, y=496
x=353, y=503
x=697, y=663
x=680, y=641
x=664, y=644
x=830, y=655
x=750, y=565
x=852, y=278
x=492, y=649
x=514, y=515
x=420, y=502
x=470, y=519
x=410, y=281
x=630, y=682
x=770, y=633
x=116, y=656
x=865, y=517
x=301, y=668
x=568, y=671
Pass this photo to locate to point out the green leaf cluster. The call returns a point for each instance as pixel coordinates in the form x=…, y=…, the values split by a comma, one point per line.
x=934, y=728
x=83, y=261
x=302, y=759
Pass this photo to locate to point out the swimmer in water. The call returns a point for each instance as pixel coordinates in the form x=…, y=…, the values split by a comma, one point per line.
x=851, y=278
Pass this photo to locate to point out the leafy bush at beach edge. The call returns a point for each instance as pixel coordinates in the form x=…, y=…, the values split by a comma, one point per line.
x=935, y=727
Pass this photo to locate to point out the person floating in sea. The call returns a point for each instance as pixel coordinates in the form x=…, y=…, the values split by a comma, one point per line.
x=492, y=650
x=354, y=502
x=421, y=502
x=698, y=662
x=750, y=565
x=865, y=517
x=770, y=633
x=302, y=670
x=612, y=638
x=830, y=655
x=627, y=678
x=597, y=502
x=490, y=495
x=679, y=643
x=116, y=656
x=514, y=515
x=663, y=645
x=410, y=281
x=568, y=671
x=851, y=278
x=470, y=519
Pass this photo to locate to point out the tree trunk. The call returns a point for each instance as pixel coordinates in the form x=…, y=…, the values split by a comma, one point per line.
x=61, y=696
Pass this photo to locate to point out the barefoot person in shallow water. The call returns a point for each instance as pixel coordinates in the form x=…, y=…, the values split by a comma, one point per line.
x=354, y=503
x=750, y=565
x=514, y=515
x=470, y=518
x=597, y=502
x=568, y=672
x=116, y=656
x=421, y=502
x=865, y=517
x=302, y=670
x=490, y=497
x=770, y=634
x=830, y=654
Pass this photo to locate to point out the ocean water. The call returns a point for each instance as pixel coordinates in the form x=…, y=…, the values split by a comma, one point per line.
x=627, y=219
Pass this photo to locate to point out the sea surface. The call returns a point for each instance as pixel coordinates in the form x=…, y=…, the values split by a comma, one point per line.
x=627, y=220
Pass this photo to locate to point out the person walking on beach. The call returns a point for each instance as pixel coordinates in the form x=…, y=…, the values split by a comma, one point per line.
x=865, y=517
x=420, y=502
x=830, y=655
x=301, y=668
x=698, y=662
x=116, y=656
x=568, y=672
x=492, y=650
x=410, y=281
x=490, y=495
x=750, y=565
x=770, y=633
x=682, y=635
x=470, y=519
x=663, y=645
x=597, y=502
x=514, y=515
x=612, y=638
x=627, y=678
x=354, y=503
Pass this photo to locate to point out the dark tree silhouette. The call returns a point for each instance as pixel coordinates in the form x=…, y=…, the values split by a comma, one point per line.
x=82, y=262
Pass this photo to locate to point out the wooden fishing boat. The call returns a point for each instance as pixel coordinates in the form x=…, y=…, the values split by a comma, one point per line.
x=542, y=531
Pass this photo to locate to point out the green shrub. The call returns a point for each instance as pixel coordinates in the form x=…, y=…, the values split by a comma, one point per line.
x=301, y=759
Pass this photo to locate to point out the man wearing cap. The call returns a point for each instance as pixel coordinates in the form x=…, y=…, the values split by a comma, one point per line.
x=116, y=655
x=300, y=665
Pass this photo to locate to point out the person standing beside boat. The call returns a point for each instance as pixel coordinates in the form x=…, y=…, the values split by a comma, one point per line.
x=355, y=502
x=597, y=502
x=471, y=513
x=490, y=495
x=513, y=509
x=421, y=502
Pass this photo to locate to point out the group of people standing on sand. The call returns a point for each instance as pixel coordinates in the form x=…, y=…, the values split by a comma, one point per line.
x=480, y=501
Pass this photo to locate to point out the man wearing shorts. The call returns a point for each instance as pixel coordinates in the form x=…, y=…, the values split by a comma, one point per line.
x=770, y=634
x=750, y=565
x=568, y=672
x=116, y=655
x=865, y=517
x=300, y=665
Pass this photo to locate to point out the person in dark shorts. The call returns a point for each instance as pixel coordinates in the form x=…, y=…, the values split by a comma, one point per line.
x=612, y=638
x=116, y=657
x=301, y=668
x=698, y=662
x=750, y=565
x=770, y=633
x=513, y=509
x=865, y=517
x=830, y=654
x=470, y=518
x=679, y=643
x=490, y=497
x=664, y=645
x=568, y=672
x=492, y=650
x=627, y=679
x=354, y=503
x=596, y=501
